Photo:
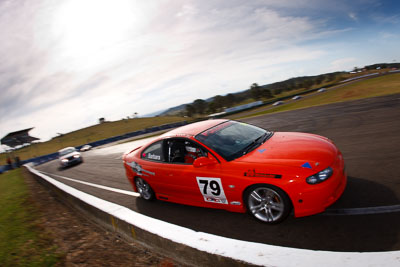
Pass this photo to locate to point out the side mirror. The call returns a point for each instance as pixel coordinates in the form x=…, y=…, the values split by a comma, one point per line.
x=203, y=161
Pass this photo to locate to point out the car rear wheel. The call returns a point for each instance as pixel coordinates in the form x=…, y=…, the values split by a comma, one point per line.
x=144, y=189
x=267, y=203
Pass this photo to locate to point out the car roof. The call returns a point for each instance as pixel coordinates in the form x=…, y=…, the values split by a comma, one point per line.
x=67, y=148
x=194, y=128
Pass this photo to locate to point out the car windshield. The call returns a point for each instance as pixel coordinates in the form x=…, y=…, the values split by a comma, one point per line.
x=66, y=151
x=233, y=139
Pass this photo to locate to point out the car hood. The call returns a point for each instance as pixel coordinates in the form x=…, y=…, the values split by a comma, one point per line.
x=294, y=149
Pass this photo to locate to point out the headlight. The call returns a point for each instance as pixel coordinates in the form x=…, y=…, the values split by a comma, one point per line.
x=320, y=177
x=76, y=156
x=64, y=160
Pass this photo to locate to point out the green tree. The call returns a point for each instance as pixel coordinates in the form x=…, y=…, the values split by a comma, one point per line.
x=255, y=91
x=320, y=79
x=308, y=83
x=199, y=106
x=266, y=93
x=190, y=111
x=277, y=91
x=230, y=100
x=299, y=85
x=331, y=77
x=218, y=102
x=212, y=108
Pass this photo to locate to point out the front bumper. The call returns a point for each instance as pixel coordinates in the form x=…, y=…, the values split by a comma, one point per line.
x=316, y=198
x=72, y=161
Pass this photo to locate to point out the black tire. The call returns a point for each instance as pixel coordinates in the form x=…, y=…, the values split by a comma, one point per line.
x=144, y=189
x=267, y=203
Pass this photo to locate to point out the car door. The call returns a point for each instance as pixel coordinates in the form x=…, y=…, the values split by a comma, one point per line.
x=152, y=167
x=164, y=170
x=199, y=186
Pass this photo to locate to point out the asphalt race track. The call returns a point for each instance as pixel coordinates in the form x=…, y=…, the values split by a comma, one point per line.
x=368, y=134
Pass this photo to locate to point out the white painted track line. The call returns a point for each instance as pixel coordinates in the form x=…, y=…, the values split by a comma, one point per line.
x=130, y=193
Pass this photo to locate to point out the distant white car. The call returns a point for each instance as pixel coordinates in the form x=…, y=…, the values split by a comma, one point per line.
x=69, y=156
x=322, y=90
x=296, y=97
x=85, y=148
x=277, y=103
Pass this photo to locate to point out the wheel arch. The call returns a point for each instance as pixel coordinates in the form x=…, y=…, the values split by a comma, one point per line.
x=134, y=181
x=149, y=187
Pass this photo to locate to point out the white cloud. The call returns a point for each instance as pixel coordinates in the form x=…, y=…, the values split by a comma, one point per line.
x=65, y=64
x=343, y=64
x=353, y=16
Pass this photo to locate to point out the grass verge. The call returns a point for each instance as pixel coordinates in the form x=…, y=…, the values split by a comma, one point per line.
x=380, y=86
x=22, y=240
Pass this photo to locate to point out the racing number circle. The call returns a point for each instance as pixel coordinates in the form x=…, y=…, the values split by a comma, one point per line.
x=144, y=189
x=267, y=203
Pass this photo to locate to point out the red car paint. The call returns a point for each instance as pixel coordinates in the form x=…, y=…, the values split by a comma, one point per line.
x=283, y=161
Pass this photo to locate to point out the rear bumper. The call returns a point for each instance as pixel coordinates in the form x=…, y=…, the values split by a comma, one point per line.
x=130, y=176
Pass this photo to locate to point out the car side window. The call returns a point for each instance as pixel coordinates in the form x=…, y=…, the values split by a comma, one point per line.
x=154, y=152
x=183, y=151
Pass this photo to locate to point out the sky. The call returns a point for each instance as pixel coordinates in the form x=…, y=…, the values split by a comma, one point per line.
x=65, y=64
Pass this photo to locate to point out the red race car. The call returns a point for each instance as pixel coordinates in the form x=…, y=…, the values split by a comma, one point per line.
x=235, y=166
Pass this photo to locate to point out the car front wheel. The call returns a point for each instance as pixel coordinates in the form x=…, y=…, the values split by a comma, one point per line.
x=144, y=189
x=267, y=203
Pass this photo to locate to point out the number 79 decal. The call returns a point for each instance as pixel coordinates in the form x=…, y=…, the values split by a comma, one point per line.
x=211, y=189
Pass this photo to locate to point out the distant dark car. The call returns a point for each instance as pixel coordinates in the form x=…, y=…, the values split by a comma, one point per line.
x=69, y=156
